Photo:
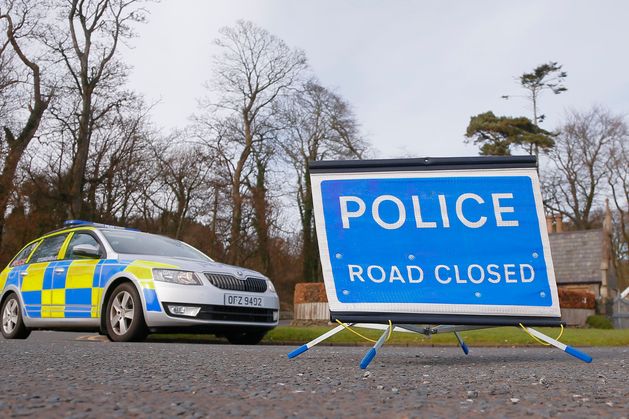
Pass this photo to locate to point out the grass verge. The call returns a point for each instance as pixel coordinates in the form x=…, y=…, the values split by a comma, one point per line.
x=500, y=336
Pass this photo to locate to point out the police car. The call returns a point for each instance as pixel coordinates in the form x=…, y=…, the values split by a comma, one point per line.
x=125, y=283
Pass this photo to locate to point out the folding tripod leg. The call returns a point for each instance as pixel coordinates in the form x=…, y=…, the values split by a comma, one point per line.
x=567, y=349
x=462, y=343
x=304, y=348
x=370, y=355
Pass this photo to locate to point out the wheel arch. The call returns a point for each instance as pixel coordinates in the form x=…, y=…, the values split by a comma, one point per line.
x=11, y=289
x=109, y=289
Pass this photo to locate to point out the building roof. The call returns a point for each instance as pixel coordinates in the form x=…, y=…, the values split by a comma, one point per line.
x=577, y=256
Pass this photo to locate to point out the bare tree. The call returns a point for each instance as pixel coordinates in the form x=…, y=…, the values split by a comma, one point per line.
x=18, y=20
x=253, y=70
x=579, y=164
x=119, y=162
x=319, y=124
x=87, y=47
x=9, y=78
x=179, y=181
x=617, y=173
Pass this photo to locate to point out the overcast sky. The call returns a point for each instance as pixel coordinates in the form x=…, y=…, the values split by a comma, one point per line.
x=414, y=71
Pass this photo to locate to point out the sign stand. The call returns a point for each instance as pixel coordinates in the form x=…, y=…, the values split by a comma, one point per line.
x=427, y=331
x=435, y=245
x=461, y=343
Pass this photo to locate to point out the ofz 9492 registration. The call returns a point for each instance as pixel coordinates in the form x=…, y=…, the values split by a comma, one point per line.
x=242, y=300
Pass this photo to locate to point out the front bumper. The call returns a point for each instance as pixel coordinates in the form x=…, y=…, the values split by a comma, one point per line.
x=213, y=311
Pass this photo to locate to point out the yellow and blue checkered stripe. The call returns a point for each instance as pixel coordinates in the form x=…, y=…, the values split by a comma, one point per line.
x=48, y=293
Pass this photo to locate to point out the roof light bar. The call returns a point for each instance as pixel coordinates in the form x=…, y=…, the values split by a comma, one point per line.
x=71, y=223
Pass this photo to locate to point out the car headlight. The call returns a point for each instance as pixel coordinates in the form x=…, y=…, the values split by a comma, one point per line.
x=176, y=277
x=270, y=285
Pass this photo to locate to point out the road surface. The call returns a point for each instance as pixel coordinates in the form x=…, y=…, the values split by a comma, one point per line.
x=71, y=375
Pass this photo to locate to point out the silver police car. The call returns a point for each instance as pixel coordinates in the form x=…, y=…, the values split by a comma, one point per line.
x=126, y=284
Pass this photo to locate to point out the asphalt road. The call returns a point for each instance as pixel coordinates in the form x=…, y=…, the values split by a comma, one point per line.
x=54, y=374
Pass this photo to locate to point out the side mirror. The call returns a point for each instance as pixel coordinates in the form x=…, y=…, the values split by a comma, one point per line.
x=87, y=250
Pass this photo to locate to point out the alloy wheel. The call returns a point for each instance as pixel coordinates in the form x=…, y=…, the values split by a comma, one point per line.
x=10, y=316
x=122, y=312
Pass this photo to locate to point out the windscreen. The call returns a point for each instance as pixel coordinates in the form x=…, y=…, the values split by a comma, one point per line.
x=132, y=242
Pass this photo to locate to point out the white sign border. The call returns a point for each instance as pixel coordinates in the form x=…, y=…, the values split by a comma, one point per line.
x=424, y=308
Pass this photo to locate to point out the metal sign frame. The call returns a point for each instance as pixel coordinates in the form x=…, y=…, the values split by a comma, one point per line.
x=470, y=314
x=428, y=319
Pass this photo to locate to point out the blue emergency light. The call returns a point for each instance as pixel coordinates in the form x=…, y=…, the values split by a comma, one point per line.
x=74, y=223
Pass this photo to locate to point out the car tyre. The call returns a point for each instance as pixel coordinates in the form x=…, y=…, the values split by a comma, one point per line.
x=124, y=317
x=245, y=337
x=12, y=326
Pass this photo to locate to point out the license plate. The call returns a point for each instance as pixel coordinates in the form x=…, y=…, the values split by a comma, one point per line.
x=242, y=300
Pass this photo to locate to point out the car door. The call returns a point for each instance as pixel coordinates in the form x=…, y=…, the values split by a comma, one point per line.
x=36, y=282
x=81, y=280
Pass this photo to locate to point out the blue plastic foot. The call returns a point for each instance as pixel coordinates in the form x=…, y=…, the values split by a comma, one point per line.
x=462, y=343
x=369, y=356
x=465, y=349
x=298, y=351
x=578, y=354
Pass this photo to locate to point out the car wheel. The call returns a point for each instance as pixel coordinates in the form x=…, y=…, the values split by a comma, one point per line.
x=12, y=322
x=124, y=315
x=245, y=337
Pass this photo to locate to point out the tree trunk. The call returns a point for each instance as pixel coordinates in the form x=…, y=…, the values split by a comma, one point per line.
x=233, y=254
x=236, y=222
x=80, y=160
x=12, y=159
x=261, y=215
x=310, y=251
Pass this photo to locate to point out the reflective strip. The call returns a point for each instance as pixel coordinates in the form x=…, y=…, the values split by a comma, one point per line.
x=152, y=303
x=58, y=297
x=32, y=303
x=34, y=279
x=96, y=296
x=46, y=301
x=80, y=274
x=13, y=278
x=3, y=278
x=76, y=292
x=106, y=270
x=143, y=271
x=78, y=296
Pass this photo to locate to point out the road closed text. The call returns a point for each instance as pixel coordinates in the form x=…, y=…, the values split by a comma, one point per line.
x=510, y=273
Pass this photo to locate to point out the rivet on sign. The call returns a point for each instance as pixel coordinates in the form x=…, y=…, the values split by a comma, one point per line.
x=477, y=294
x=535, y=255
x=542, y=294
x=345, y=292
x=339, y=256
x=411, y=257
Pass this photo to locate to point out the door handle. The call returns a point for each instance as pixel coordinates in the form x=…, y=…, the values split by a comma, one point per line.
x=24, y=273
x=60, y=270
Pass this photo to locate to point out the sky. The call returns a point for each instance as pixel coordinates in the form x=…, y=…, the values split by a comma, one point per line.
x=413, y=71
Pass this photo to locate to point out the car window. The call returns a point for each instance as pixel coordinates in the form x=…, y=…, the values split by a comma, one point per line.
x=131, y=242
x=22, y=257
x=80, y=238
x=49, y=249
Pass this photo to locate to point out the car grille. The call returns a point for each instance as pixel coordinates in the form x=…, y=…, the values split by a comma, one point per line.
x=235, y=314
x=229, y=282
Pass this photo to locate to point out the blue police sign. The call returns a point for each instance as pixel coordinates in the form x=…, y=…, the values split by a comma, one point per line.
x=434, y=240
